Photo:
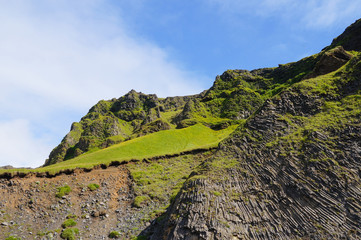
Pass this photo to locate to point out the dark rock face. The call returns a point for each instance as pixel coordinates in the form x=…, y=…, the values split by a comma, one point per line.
x=134, y=105
x=155, y=126
x=330, y=61
x=275, y=193
x=350, y=39
x=177, y=102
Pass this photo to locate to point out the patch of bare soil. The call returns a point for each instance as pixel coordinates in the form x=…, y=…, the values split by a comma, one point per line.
x=29, y=208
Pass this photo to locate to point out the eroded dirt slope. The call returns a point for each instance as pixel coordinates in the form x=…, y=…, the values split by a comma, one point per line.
x=29, y=206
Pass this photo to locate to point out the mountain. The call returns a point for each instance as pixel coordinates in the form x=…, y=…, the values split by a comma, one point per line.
x=272, y=153
x=234, y=96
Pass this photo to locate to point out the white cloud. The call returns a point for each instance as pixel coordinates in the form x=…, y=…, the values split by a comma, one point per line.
x=325, y=13
x=57, y=55
x=19, y=147
x=69, y=59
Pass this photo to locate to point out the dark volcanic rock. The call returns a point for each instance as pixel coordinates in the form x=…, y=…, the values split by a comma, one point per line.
x=276, y=177
x=350, y=39
x=272, y=195
x=155, y=126
x=330, y=61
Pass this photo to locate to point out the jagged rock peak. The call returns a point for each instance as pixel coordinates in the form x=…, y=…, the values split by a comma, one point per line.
x=350, y=39
x=135, y=93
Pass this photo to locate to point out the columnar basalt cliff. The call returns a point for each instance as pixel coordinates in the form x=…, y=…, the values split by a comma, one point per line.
x=290, y=169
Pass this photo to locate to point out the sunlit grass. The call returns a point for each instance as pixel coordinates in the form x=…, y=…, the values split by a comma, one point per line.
x=161, y=143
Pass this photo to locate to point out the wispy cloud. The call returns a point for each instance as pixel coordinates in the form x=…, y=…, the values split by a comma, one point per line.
x=326, y=13
x=57, y=55
x=310, y=13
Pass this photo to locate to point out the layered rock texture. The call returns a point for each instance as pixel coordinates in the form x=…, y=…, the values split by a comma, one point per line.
x=290, y=170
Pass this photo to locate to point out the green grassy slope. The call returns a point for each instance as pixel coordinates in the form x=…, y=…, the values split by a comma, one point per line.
x=157, y=144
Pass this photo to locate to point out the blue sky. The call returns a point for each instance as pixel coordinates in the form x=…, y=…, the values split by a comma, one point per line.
x=58, y=58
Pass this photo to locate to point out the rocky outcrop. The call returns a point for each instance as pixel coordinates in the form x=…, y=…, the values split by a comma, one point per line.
x=330, y=61
x=154, y=126
x=178, y=102
x=59, y=153
x=350, y=39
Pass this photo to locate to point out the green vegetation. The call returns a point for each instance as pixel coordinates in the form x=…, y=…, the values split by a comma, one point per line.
x=114, y=234
x=337, y=111
x=335, y=116
x=12, y=238
x=140, y=238
x=62, y=191
x=69, y=233
x=159, y=181
x=216, y=193
x=93, y=186
x=236, y=94
x=69, y=223
x=152, y=145
x=168, y=116
x=139, y=201
x=215, y=168
x=169, y=142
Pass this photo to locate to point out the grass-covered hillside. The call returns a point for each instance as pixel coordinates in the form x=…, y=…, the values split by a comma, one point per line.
x=169, y=142
x=234, y=96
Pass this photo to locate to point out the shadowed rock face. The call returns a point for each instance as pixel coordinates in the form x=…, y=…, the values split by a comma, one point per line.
x=275, y=192
x=350, y=39
x=330, y=61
